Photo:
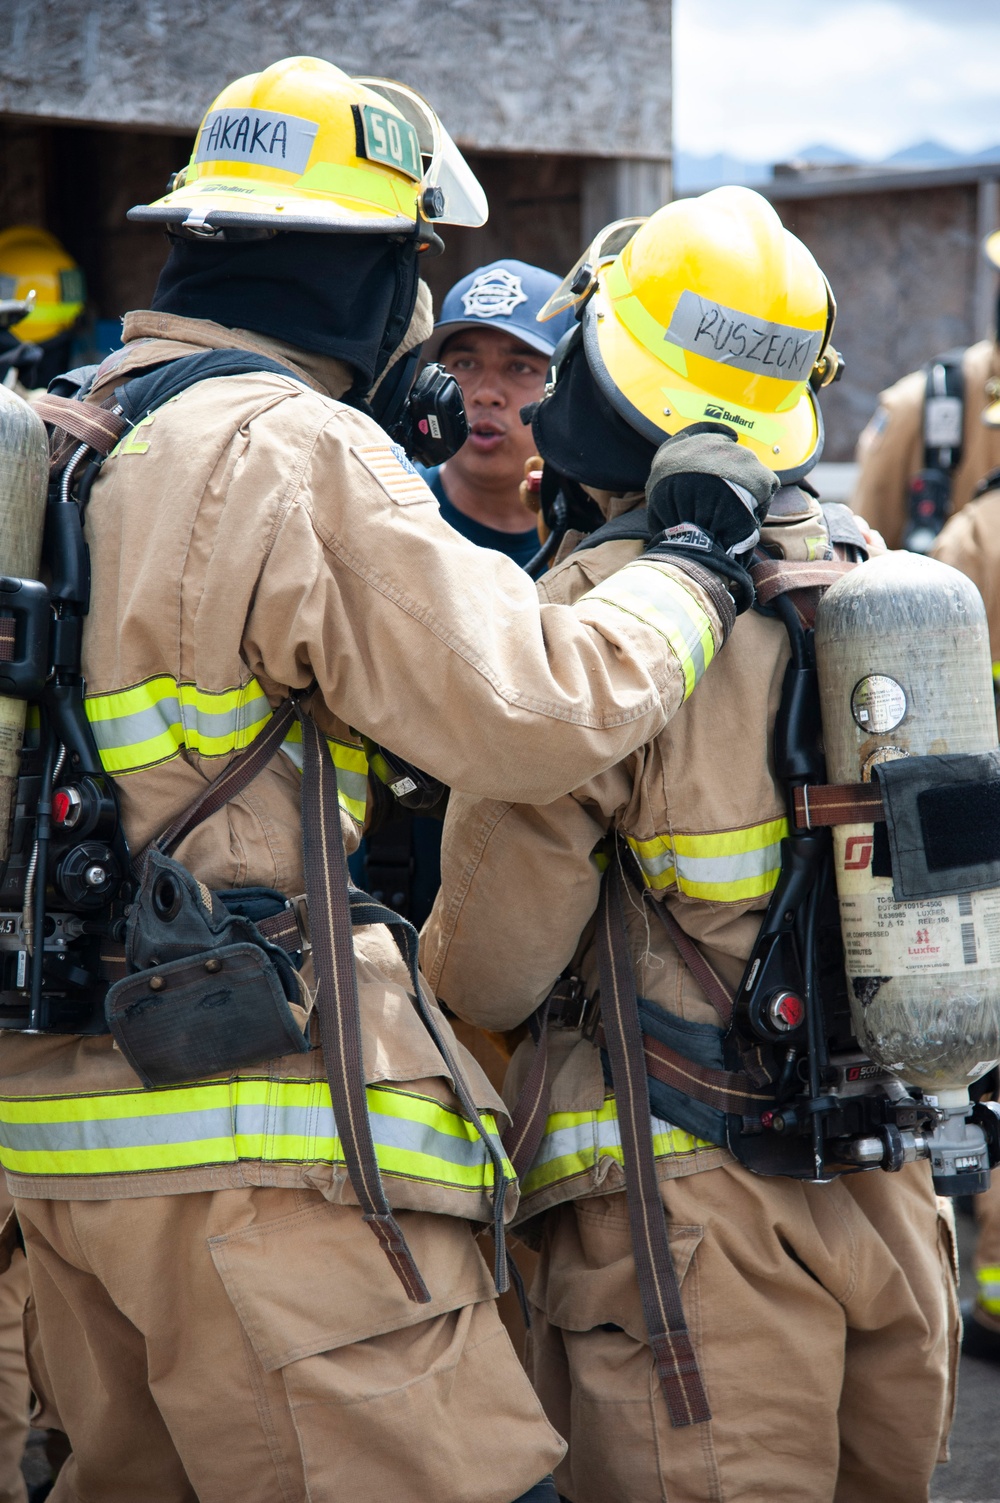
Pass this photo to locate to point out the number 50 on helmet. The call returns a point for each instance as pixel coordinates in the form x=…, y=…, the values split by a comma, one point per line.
x=710, y=310
x=302, y=146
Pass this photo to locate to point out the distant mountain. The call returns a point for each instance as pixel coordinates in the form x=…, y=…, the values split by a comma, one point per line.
x=825, y=156
x=694, y=173
x=926, y=154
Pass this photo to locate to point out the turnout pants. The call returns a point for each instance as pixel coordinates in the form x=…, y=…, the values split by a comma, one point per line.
x=826, y=1325
x=250, y=1344
x=15, y=1398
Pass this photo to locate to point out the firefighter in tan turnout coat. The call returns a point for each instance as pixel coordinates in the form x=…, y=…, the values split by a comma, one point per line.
x=218, y=1321
x=822, y=1316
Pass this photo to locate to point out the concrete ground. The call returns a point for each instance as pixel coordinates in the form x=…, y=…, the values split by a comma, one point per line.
x=973, y=1474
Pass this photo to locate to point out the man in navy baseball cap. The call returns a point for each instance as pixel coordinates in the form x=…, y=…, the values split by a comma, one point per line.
x=489, y=339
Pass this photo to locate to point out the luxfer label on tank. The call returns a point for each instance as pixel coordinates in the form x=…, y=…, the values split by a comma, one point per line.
x=878, y=703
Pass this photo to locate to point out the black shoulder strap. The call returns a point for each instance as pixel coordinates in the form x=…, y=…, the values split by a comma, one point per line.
x=627, y=526
x=842, y=527
x=143, y=394
x=944, y=412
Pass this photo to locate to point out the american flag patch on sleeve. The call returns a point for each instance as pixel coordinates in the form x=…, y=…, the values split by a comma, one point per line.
x=395, y=475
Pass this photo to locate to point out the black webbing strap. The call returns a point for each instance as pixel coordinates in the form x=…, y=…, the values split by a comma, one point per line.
x=239, y=773
x=676, y=1363
x=523, y=1137
x=365, y=910
x=337, y=1004
x=333, y=910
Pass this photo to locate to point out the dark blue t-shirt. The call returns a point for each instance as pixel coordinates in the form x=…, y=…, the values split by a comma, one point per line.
x=520, y=546
x=425, y=878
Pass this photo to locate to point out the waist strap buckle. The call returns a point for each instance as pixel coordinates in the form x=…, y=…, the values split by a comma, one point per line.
x=570, y=1007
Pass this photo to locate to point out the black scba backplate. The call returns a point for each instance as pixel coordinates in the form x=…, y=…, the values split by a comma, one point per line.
x=74, y=999
x=853, y=1101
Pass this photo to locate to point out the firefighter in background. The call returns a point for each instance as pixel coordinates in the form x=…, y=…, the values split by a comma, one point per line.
x=217, y=1320
x=970, y=541
x=822, y=1317
x=38, y=347
x=934, y=436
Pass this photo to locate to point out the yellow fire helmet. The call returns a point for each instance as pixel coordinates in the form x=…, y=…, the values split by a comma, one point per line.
x=301, y=146
x=991, y=248
x=711, y=311
x=33, y=261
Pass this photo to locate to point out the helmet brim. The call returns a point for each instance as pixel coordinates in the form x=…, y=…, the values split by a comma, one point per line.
x=443, y=332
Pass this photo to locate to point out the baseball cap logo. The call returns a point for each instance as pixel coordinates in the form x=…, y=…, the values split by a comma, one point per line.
x=494, y=294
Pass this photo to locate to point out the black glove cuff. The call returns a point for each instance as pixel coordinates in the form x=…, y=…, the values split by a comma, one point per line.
x=704, y=554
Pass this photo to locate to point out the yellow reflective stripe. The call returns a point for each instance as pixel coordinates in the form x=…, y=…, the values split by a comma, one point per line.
x=352, y=770
x=248, y=1119
x=656, y=859
x=153, y=722
x=727, y=866
x=574, y=1141
x=647, y=592
x=996, y=673
x=988, y=1297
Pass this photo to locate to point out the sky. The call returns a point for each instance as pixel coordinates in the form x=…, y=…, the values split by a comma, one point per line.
x=760, y=79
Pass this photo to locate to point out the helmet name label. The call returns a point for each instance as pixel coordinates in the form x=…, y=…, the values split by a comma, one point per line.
x=260, y=136
x=704, y=327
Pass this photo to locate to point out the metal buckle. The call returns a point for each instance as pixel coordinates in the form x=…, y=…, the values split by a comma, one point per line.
x=300, y=907
x=570, y=1007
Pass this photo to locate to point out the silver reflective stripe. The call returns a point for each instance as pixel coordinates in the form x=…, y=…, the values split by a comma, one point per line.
x=138, y=726
x=729, y=337
x=719, y=869
x=655, y=866
x=306, y=1124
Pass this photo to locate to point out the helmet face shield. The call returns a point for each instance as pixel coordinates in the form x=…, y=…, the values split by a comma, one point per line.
x=445, y=168
x=301, y=146
x=578, y=282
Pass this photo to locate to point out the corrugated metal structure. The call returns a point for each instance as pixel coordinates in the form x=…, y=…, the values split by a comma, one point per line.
x=902, y=251
x=99, y=100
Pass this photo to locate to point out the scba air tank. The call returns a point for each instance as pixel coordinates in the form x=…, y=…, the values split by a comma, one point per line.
x=902, y=652
x=24, y=469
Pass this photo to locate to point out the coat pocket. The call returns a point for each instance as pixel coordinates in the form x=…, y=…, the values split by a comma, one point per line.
x=315, y=1280
x=588, y=1277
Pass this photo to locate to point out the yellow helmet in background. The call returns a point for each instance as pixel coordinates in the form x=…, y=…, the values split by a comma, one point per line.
x=991, y=248
x=713, y=311
x=302, y=146
x=33, y=261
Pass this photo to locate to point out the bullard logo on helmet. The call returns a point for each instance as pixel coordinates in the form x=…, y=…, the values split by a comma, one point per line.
x=494, y=294
x=723, y=415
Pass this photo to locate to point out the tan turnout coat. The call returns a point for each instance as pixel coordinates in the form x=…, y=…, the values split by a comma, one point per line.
x=255, y=529
x=890, y=449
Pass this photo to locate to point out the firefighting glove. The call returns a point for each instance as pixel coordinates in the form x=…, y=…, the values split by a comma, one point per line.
x=707, y=498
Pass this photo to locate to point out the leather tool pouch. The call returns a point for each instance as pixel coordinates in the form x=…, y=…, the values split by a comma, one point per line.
x=206, y=994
